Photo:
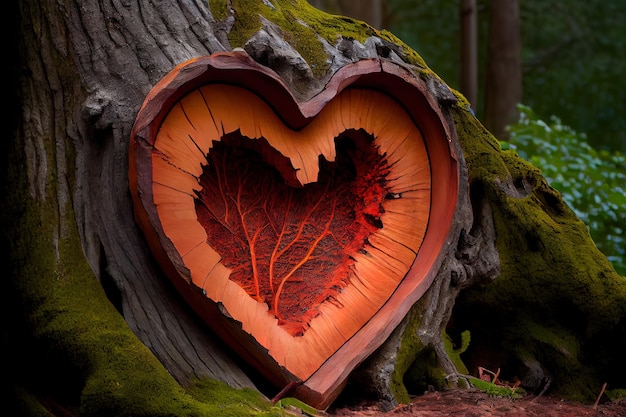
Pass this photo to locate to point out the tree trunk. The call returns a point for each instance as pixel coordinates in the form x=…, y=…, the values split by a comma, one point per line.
x=79, y=260
x=370, y=11
x=469, y=51
x=82, y=92
x=503, y=86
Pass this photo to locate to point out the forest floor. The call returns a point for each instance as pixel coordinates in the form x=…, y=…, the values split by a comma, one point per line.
x=475, y=403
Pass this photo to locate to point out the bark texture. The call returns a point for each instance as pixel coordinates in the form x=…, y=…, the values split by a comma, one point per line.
x=80, y=102
x=84, y=70
x=503, y=84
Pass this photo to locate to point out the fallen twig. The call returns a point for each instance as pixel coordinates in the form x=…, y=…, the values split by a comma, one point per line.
x=595, y=405
x=285, y=391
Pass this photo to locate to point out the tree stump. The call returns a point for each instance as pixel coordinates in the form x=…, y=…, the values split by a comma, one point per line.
x=301, y=232
x=86, y=300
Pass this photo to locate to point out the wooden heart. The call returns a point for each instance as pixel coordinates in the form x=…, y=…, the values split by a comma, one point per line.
x=301, y=232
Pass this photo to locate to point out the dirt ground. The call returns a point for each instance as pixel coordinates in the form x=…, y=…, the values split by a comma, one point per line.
x=474, y=403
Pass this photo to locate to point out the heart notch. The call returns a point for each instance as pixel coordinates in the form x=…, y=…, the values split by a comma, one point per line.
x=301, y=232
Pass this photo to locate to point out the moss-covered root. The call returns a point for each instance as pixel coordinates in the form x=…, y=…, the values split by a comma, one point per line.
x=417, y=367
x=558, y=309
x=69, y=350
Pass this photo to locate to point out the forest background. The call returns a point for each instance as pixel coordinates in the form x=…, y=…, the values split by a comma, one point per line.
x=570, y=105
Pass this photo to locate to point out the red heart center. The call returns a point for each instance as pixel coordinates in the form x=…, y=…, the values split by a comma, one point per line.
x=289, y=247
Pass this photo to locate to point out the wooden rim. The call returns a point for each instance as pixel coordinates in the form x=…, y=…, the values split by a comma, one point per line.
x=203, y=102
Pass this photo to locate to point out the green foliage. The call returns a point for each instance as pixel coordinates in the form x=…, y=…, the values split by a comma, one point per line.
x=431, y=27
x=573, y=57
x=574, y=65
x=616, y=394
x=592, y=182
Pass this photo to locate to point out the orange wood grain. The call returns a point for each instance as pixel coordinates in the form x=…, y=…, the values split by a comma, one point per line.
x=393, y=248
x=172, y=138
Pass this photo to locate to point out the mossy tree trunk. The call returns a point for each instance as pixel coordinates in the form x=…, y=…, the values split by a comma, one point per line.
x=78, y=263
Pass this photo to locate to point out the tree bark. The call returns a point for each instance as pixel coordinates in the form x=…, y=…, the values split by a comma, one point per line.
x=503, y=86
x=370, y=11
x=78, y=261
x=469, y=51
x=82, y=93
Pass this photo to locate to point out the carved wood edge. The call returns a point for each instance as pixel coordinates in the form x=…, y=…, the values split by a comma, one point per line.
x=236, y=68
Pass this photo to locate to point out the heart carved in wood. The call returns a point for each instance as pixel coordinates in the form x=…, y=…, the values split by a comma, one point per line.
x=301, y=232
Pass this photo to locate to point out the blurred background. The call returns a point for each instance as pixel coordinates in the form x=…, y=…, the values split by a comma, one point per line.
x=546, y=77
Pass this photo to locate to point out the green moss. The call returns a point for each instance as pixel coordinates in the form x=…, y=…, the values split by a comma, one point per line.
x=424, y=374
x=222, y=397
x=455, y=354
x=303, y=26
x=291, y=16
x=557, y=299
x=63, y=328
x=305, y=409
x=417, y=367
x=410, y=346
x=219, y=9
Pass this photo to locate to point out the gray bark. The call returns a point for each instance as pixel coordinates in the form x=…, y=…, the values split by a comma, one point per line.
x=115, y=54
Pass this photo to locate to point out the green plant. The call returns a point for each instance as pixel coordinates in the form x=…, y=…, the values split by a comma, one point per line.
x=291, y=402
x=497, y=390
x=592, y=182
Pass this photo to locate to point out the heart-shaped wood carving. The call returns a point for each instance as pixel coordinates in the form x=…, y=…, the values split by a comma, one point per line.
x=301, y=232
